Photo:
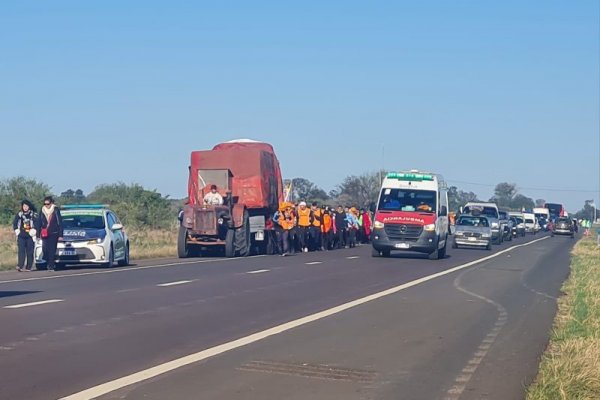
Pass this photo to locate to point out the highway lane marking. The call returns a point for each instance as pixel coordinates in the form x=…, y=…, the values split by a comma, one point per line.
x=173, y=283
x=258, y=271
x=169, y=366
x=35, y=303
x=352, y=257
x=314, y=263
x=112, y=271
x=128, y=290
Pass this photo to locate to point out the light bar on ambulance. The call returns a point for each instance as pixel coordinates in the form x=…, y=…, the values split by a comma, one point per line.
x=405, y=176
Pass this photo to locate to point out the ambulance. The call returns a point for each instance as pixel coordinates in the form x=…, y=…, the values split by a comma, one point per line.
x=411, y=215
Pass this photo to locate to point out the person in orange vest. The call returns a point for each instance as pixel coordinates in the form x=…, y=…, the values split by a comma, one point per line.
x=326, y=230
x=315, y=227
x=286, y=222
x=303, y=225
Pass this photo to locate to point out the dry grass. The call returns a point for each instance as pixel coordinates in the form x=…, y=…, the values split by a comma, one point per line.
x=570, y=368
x=144, y=243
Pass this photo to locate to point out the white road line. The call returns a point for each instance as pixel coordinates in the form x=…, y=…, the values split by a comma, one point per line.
x=161, y=369
x=35, y=303
x=112, y=271
x=352, y=257
x=314, y=263
x=258, y=271
x=173, y=283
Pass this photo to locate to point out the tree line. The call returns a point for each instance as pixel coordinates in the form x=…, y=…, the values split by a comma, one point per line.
x=135, y=205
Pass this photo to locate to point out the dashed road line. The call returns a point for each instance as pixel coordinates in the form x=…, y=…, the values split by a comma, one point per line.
x=258, y=271
x=157, y=370
x=314, y=263
x=173, y=283
x=352, y=257
x=35, y=303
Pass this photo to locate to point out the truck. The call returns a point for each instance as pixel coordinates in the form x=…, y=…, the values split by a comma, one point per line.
x=248, y=177
x=411, y=215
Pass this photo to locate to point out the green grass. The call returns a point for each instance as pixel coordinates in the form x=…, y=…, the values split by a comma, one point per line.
x=570, y=368
x=144, y=243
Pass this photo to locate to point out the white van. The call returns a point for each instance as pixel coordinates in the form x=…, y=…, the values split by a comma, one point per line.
x=531, y=223
x=411, y=215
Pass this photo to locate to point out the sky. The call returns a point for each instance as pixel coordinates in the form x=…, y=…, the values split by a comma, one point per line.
x=481, y=92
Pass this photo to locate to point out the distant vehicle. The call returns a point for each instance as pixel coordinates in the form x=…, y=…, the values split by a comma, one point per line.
x=507, y=224
x=531, y=223
x=473, y=231
x=544, y=224
x=541, y=214
x=564, y=226
x=518, y=223
x=490, y=210
x=555, y=210
x=411, y=215
x=92, y=234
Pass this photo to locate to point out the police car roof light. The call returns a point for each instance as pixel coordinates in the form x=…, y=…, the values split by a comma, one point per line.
x=84, y=206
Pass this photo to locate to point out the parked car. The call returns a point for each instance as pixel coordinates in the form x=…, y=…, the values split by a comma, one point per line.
x=518, y=226
x=92, y=234
x=506, y=224
x=473, y=231
x=564, y=226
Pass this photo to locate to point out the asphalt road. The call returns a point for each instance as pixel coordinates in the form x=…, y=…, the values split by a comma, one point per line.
x=475, y=332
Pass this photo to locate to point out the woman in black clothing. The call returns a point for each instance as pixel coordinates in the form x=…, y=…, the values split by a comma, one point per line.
x=24, y=225
x=51, y=231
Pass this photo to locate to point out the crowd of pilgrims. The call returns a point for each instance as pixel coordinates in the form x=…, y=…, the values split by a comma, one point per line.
x=302, y=229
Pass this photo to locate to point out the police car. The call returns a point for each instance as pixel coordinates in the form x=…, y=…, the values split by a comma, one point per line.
x=92, y=234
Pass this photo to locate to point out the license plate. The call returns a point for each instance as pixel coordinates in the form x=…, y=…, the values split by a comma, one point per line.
x=66, y=252
x=472, y=239
x=402, y=245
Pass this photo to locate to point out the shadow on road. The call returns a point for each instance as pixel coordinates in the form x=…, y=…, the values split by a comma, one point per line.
x=12, y=293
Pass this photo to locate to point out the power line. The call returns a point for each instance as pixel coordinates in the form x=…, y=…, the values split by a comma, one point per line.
x=527, y=188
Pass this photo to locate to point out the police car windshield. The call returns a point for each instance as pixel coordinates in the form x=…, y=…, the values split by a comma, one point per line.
x=408, y=200
x=83, y=221
x=472, y=221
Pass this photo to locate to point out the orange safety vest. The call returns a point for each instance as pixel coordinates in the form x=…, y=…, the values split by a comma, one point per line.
x=286, y=223
x=316, y=218
x=326, y=227
x=304, y=217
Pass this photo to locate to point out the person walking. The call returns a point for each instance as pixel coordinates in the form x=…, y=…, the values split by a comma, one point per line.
x=366, y=226
x=326, y=230
x=352, y=227
x=24, y=225
x=51, y=231
x=286, y=222
x=305, y=219
x=341, y=226
x=315, y=227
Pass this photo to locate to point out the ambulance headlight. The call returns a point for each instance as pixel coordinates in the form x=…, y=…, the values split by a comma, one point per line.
x=429, y=227
x=378, y=225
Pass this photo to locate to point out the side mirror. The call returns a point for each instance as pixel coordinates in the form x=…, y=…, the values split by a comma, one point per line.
x=444, y=211
x=117, y=227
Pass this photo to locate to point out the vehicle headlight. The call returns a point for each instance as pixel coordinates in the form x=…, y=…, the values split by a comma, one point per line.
x=485, y=235
x=96, y=241
x=429, y=227
x=459, y=233
x=378, y=225
x=220, y=221
x=495, y=225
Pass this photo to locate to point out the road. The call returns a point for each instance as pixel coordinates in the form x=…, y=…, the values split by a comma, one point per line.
x=418, y=328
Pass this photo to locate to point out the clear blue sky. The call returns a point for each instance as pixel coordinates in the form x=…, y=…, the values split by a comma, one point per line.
x=480, y=91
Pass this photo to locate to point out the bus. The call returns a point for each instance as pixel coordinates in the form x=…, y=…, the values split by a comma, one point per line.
x=556, y=210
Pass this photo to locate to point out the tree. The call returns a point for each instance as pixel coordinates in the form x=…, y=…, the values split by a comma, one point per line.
x=135, y=205
x=14, y=190
x=458, y=198
x=520, y=202
x=303, y=189
x=540, y=203
x=361, y=191
x=504, y=194
x=71, y=196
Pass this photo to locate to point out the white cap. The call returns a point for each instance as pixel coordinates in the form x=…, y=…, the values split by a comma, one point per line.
x=302, y=203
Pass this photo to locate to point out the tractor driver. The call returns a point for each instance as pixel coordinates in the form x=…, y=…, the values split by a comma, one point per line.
x=213, y=198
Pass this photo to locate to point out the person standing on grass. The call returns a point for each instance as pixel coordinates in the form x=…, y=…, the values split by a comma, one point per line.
x=24, y=225
x=51, y=231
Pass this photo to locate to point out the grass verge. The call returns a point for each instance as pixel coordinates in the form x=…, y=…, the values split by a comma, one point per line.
x=144, y=243
x=570, y=367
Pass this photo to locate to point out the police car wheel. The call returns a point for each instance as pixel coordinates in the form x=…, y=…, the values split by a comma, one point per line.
x=111, y=258
x=125, y=261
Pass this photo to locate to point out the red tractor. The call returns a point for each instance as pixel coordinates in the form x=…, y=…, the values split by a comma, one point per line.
x=247, y=176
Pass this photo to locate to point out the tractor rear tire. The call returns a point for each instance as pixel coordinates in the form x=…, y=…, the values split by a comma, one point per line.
x=183, y=249
x=230, y=243
x=243, y=242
